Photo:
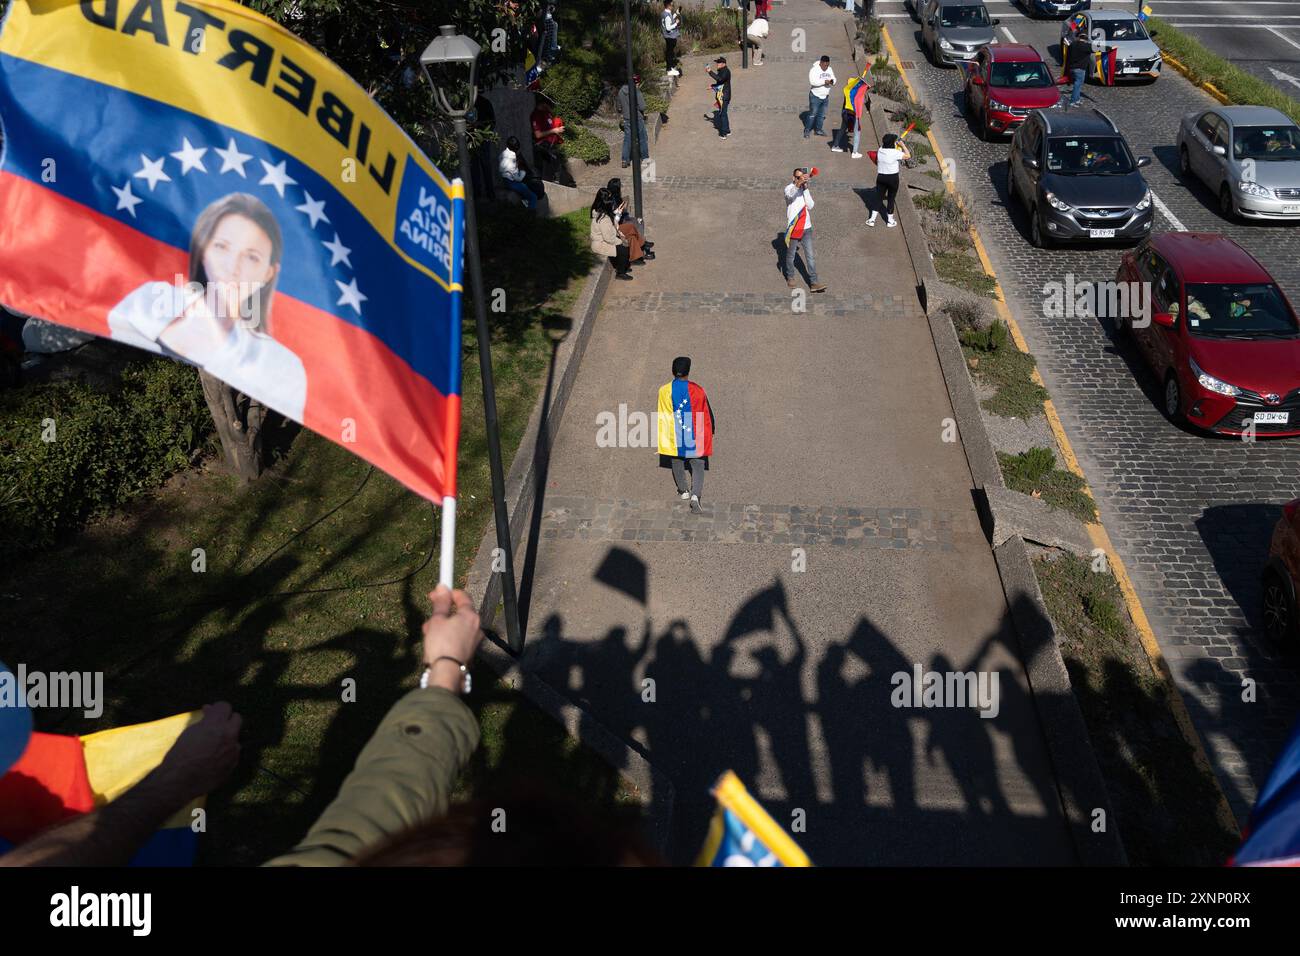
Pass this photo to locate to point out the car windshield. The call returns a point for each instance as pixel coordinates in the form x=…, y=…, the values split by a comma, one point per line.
x=1088, y=156
x=1121, y=29
x=1270, y=143
x=1023, y=75
x=970, y=16
x=1238, y=310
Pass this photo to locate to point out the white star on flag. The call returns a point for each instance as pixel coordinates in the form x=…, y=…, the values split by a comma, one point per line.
x=351, y=295
x=276, y=176
x=152, y=171
x=314, y=208
x=232, y=158
x=338, y=252
x=126, y=199
x=190, y=157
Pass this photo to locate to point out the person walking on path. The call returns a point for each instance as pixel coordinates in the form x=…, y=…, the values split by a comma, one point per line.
x=671, y=21
x=721, y=76
x=755, y=35
x=1078, y=58
x=633, y=117
x=606, y=240
x=685, y=425
x=856, y=103
x=798, y=229
x=820, y=80
x=889, y=159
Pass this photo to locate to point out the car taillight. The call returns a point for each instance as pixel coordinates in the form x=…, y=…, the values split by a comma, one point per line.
x=1289, y=509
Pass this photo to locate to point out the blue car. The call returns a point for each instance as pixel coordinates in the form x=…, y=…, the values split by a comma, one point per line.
x=1054, y=8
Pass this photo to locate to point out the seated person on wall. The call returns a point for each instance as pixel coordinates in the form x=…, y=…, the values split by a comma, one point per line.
x=518, y=176
x=548, y=135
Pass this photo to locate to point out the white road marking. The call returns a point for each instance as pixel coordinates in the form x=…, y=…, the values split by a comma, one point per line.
x=1009, y=34
x=1283, y=37
x=1160, y=204
x=1279, y=75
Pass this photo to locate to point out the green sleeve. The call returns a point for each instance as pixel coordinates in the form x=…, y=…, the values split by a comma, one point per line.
x=403, y=776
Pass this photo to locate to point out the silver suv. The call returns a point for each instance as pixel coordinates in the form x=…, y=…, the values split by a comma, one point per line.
x=952, y=31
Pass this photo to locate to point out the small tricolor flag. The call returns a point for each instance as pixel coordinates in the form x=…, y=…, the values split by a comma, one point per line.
x=60, y=776
x=1145, y=12
x=743, y=834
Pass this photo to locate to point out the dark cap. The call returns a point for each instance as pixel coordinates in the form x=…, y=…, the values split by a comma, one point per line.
x=682, y=365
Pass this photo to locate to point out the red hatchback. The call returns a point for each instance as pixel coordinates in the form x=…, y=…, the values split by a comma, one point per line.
x=1005, y=82
x=1222, y=337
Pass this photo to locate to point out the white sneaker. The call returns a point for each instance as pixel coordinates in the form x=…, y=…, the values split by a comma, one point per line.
x=674, y=72
x=685, y=496
x=836, y=149
x=857, y=155
x=891, y=222
x=695, y=505
x=872, y=220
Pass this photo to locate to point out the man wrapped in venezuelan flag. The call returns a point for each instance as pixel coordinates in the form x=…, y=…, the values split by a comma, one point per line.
x=685, y=423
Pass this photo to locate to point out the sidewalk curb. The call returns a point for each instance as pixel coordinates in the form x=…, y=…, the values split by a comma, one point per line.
x=1098, y=533
x=484, y=586
x=1080, y=784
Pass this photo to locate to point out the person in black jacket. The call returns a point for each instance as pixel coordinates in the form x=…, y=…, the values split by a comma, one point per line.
x=1078, y=58
x=721, y=76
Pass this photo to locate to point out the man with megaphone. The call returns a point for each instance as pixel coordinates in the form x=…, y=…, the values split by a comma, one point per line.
x=798, y=227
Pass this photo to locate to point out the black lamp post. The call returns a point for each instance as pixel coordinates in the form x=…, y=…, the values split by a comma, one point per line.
x=451, y=65
x=634, y=115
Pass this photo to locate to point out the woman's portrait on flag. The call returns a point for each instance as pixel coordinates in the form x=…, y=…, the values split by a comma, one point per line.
x=220, y=319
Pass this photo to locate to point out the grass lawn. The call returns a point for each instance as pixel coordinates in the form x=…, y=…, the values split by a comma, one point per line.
x=1166, y=806
x=315, y=573
x=1034, y=473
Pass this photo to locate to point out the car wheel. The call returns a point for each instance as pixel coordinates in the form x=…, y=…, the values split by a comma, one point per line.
x=1036, y=234
x=1278, y=610
x=1227, y=208
x=1184, y=163
x=1173, y=399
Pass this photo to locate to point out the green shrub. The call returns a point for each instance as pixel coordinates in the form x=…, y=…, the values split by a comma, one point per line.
x=967, y=315
x=991, y=338
x=914, y=113
x=1034, y=472
x=581, y=143
x=931, y=201
x=108, y=447
x=654, y=103
x=869, y=34
x=574, y=84
x=889, y=86
x=881, y=66
x=710, y=30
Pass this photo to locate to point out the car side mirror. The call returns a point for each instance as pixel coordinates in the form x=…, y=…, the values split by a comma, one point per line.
x=1164, y=318
x=1031, y=162
x=1144, y=161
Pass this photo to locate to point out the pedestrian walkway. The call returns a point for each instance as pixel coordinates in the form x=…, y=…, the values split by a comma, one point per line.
x=838, y=545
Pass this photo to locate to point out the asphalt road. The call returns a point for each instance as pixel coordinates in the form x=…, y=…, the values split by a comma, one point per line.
x=1260, y=36
x=1190, y=514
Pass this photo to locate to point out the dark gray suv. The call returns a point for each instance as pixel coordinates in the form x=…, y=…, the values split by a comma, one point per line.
x=1078, y=179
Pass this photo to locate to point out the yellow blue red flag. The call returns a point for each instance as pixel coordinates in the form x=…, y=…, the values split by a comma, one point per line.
x=742, y=833
x=192, y=179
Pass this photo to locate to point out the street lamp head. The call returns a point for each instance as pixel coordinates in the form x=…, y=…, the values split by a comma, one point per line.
x=450, y=63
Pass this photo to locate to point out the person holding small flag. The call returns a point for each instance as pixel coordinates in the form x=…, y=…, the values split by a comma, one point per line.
x=798, y=228
x=856, y=104
x=889, y=159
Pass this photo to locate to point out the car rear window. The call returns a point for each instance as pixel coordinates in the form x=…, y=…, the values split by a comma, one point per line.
x=1238, y=310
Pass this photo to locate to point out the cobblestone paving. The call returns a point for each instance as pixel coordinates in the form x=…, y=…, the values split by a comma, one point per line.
x=618, y=519
x=765, y=303
x=1190, y=514
x=699, y=182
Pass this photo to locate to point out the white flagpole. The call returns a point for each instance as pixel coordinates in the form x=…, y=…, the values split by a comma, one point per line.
x=447, y=560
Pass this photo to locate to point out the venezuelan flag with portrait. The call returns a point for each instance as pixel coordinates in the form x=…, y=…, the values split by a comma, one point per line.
x=743, y=834
x=192, y=179
x=59, y=777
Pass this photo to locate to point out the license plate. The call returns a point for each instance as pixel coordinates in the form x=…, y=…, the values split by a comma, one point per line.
x=1291, y=207
x=1101, y=233
x=1131, y=69
x=1272, y=418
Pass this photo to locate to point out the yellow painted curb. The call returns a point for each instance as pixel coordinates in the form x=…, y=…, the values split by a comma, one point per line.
x=1096, y=531
x=1207, y=87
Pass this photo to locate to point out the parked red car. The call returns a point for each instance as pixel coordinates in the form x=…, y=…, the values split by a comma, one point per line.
x=1003, y=83
x=1223, y=338
x=1280, y=576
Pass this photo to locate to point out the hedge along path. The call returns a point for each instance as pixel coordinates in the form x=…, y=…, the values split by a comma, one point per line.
x=1096, y=530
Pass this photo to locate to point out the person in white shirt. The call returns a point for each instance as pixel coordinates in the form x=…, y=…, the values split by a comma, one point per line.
x=889, y=159
x=221, y=319
x=756, y=34
x=514, y=172
x=671, y=22
x=820, y=80
x=798, y=228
